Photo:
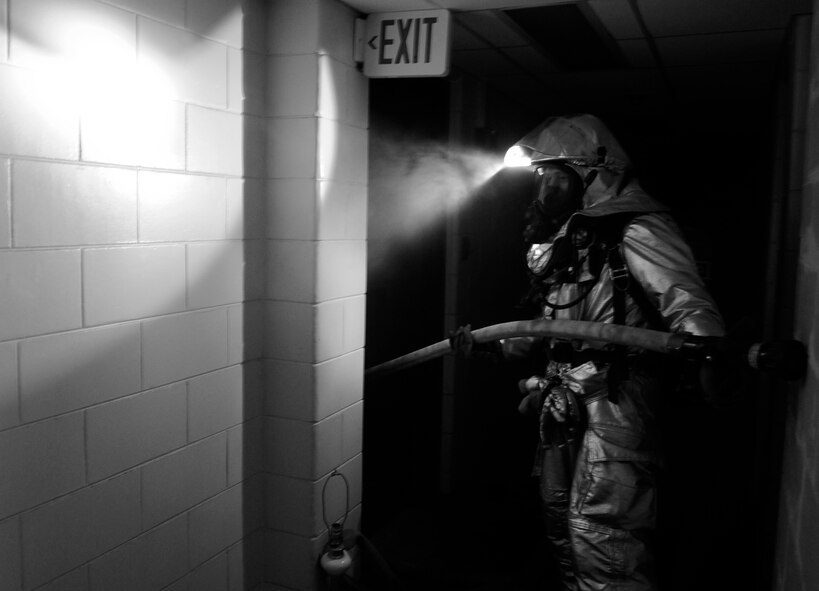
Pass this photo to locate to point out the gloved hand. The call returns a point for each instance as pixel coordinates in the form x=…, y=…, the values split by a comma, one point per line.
x=533, y=391
x=561, y=403
x=464, y=345
x=559, y=418
x=461, y=340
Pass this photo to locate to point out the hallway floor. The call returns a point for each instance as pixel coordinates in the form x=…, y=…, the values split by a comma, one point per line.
x=458, y=545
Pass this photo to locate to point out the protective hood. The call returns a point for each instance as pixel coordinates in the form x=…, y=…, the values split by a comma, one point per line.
x=582, y=140
x=584, y=143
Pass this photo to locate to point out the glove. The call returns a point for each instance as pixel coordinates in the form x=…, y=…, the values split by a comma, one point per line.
x=559, y=418
x=561, y=403
x=533, y=391
x=461, y=340
x=464, y=345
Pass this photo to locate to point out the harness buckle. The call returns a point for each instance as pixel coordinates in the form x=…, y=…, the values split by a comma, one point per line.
x=619, y=277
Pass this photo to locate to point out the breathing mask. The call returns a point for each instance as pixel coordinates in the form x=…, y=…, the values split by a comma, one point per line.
x=558, y=193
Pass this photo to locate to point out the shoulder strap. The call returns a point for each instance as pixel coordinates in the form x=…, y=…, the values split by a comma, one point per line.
x=623, y=282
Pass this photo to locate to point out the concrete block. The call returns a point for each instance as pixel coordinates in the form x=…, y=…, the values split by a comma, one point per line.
x=332, y=88
x=352, y=431
x=133, y=282
x=194, y=67
x=176, y=482
x=293, y=85
x=68, y=371
x=245, y=332
x=9, y=384
x=62, y=204
x=182, y=346
x=254, y=128
x=339, y=327
x=355, y=314
x=245, y=561
x=291, y=387
x=342, y=211
x=171, y=12
x=62, y=535
x=39, y=120
x=215, y=273
x=216, y=524
x=341, y=269
x=291, y=270
x=41, y=461
x=216, y=141
x=132, y=430
x=150, y=561
x=339, y=383
x=290, y=331
x=358, y=99
x=210, y=576
x=215, y=402
x=290, y=448
x=220, y=20
x=292, y=27
x=10, y=553
x=290, y=504
x=245, y=451
x=235, y=80
x=41, y=292
x=292, y=210
x=160, y=137
x=336, y=22
x=76, y=580
x=328, y=445
x=292, y=147
x=342, y=151
x=4, y=38
x=254, y=68
x=181, y=207
x=77, y=37
x=247, y=208
x=5, y=204
x=290, y=560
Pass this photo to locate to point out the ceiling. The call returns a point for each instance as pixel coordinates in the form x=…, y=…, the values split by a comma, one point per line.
x=617, y=54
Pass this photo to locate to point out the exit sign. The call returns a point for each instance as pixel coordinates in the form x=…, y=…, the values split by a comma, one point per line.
x=407, y=44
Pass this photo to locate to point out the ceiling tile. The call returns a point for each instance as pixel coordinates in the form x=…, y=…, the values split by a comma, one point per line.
x=492, y=27
x=617, y=17
x=637, y=53
x=463, y=38
x=728, y=82
x=484, y=62
x=530, y=59
x=682, y=17
x=693, y=50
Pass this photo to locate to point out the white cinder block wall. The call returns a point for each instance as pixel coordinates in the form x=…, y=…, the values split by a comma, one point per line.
x=316, y=249
x=132, y=153
x=182, y=270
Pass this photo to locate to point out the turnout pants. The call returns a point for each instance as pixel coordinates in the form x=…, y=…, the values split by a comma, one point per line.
x=599, y=501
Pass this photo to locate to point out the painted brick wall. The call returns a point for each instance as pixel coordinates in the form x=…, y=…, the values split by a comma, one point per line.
x=132, y=214
x=316, y=281
x=796, y=566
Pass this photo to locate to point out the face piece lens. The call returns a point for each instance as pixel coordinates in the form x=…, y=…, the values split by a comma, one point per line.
x=559, y=189
x=557, y=195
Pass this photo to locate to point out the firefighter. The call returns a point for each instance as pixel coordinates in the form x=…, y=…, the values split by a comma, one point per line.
x=601, y=249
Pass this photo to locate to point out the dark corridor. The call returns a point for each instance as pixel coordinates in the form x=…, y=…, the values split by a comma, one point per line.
x=717, y=506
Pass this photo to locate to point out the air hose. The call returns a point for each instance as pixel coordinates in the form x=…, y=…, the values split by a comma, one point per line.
x=786, y=359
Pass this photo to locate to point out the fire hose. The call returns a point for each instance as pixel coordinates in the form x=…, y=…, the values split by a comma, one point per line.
x=784, y=358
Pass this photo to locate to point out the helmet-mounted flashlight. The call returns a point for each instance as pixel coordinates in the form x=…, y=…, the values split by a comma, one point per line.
x=517, y=155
